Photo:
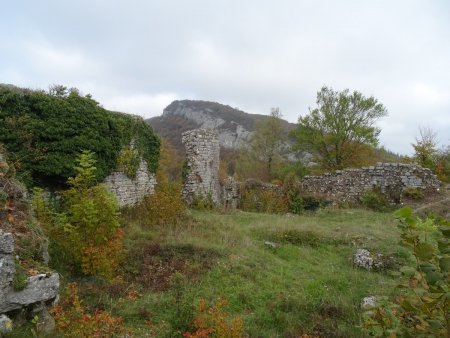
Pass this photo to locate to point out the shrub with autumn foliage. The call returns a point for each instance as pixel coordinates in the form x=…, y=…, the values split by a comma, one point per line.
x=164, y=207
x=73, y=320
x=86, y=230
x=257, y=196
x=215, y=321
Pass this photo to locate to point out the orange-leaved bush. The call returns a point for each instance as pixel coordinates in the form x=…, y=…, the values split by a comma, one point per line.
x=215, y=321
x=72, y=319
x=164, y=207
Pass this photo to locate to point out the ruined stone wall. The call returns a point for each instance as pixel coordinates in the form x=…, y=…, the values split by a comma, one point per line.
x=202, y=154
x=391, y=178
x=130, y=191
x=230, y=193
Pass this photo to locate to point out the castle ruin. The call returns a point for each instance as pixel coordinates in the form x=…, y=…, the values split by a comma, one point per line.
x=391, y=178
x=202, y=154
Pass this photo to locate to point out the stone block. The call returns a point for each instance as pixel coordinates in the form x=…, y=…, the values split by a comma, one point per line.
x=39, y=288
x=6, y=242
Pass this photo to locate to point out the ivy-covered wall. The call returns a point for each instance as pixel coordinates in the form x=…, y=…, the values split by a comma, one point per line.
x=44, y=132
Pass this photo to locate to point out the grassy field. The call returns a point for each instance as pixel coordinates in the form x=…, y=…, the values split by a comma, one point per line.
x=305, y=285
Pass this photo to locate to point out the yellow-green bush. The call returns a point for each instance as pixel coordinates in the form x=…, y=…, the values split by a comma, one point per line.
x=263, y=201
x=128, y=161
x=164, y=207
x=86, y=231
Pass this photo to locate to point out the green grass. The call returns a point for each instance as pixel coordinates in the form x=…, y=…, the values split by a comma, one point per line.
x=307, y=284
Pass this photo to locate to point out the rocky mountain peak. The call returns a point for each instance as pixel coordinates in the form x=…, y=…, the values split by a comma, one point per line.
x=233, y=125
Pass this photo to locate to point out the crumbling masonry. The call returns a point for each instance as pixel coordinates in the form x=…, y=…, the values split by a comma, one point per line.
x=391, y=178
x=130, y=191
x=202, y=154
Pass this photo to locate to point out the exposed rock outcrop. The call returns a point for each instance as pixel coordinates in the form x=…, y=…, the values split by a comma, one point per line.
x=369, y=302
x=233, y=126
x=365, y=259
x=7, y=266
x=5, y=324
x=39, y=288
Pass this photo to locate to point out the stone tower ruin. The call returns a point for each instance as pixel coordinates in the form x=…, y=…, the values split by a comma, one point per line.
x=202, y=155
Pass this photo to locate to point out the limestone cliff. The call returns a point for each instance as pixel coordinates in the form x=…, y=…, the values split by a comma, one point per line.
x=234, y=126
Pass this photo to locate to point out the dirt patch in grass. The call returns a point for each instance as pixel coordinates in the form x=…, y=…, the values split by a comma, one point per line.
x=324, y=322
x=305, y=238
x=297, y=319
x=153, y=265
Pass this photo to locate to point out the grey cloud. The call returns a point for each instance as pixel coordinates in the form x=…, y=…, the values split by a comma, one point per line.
x=137, y=55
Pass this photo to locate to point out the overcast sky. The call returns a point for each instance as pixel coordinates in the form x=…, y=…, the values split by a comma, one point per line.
x=138, y=56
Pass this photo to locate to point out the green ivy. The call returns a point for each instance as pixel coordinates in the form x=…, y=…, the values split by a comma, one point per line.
x=128, y=161
x=44, y=133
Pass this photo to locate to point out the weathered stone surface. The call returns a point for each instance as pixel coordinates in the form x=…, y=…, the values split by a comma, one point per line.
x=39, y=288
x=253, y=184
x=369, y=302
x=5, y=324
x=7, y=271
x=46, y=323
x=230, y=133
x=391, y=178
x=130, y=191
x=230, y=194
x=45, y=254
x=364, y=259
x=202, y=153
x=6, y=242
x=7, y=266
x=271, y=244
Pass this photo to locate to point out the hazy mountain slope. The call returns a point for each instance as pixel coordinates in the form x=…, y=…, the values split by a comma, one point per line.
x=234, y=125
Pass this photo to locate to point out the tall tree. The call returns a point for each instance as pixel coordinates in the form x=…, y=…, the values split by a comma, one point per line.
x=340, y=126
x=425, y=148
x=268, y=141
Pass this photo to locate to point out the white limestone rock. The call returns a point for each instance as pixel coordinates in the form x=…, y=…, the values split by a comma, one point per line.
x=5, y=324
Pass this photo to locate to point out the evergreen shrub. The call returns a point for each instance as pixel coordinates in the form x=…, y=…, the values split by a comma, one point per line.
x=44, y=133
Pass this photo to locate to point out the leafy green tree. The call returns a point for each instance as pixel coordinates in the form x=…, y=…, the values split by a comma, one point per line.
x=85, y=232
x=93, y=215
x=341, y=125
x=267, y=143
x=425, y=148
